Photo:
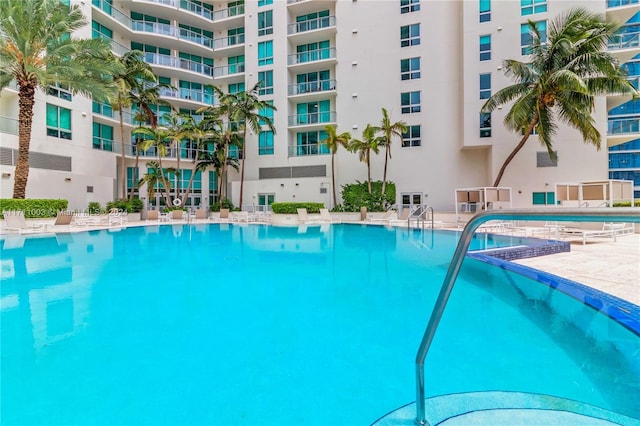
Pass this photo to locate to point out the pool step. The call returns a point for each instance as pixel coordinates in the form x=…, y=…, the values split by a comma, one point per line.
x=505, y=408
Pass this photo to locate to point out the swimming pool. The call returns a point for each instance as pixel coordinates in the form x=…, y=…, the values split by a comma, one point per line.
x=246, y=325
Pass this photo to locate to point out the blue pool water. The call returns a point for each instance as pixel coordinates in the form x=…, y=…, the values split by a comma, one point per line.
x=258, y=325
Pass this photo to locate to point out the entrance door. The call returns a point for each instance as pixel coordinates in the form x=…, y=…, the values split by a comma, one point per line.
x=410, y=200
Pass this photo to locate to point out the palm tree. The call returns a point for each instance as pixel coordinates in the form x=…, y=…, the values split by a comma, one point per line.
x=178, y=131
x=203, y=158
x=36, y=51
x=246, y=111
x=560, y=82
x=144, y=98
x=160, y=139
x=134, y=74
x=369, y=142
x=155, y=177
x=333, y=141
x=389, y=131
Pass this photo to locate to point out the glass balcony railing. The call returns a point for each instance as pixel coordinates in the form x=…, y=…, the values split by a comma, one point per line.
x=9, y=125
x=175, y=62
x=312, y=118
x=624, y=41
x=312, y=87
x=312, y=55
x=312, y=24
x=620, y=3
x=131, y=149
x=228, y=70
x=308, y=149
x=197, y=9
x=197, y=96
x=228, y=13
x=623, y=126
x=228, y=41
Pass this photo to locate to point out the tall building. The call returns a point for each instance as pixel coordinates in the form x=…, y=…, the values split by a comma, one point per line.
x=431, y=64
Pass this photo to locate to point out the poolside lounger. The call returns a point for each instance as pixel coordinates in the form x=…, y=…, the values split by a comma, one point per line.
x=587, y=230
x=388, y=216
x=325, y=216
x=63, y=218
x=303, y=217
x=116, y=217
x=15, y=221
x=240, y=217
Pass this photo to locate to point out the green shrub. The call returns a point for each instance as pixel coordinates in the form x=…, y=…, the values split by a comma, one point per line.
x=292, y=208
x=636, y=203
x=136, y=205
x=356, y=195
x=94, y=207
x=226, y=204
x=34, y=207
x=130, y=206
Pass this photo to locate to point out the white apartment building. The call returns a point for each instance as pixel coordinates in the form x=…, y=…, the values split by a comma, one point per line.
x=431, y=64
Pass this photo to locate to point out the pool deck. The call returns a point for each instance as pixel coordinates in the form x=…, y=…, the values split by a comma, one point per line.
x=609, y=266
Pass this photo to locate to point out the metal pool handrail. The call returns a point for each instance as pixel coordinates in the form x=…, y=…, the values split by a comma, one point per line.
x=618, y=214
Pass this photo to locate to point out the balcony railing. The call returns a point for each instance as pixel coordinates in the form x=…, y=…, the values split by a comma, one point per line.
x=312, y=24
x=620, y=3
x=197, y=9
x=312, y=87
x=8, y=125
x=131, y=149
x=228, y=41
x=312, y=118
x=228, y=70
x=197, y=96
x=312, y=55
x=228, y=13
x=624, y=41
x=312, y=149
x=623, y=126
x=175, y=62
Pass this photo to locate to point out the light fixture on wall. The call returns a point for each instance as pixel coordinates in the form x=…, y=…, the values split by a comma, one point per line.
x=297, y=184
x=67, y=179
x=6, y=175
x=282, y=185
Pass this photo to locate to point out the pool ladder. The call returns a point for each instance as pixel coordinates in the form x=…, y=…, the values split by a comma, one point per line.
x=617, y=214
x=420, y=214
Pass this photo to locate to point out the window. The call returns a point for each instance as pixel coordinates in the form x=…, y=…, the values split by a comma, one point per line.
x=266, y=82
x=410, y=102
x=410, y=35
x=264, y=2
x=265, y=143
x=236, y=64
x=313, y=112
x=235, y=36
x=529, y=7
x=266, y=199
x=102, y=137
x=485, y=86
x=411, y=137
x=313, y=51
x=265, y=22
x=485, y=10
x=485, y=125
x=195, y=63
x=102, y=109
x=58, y=122
x=313, y=82
x=543, y=159
x=265, y=53
x=60, y=91
x=308, y=143
x=235, y=8
x=236, y=87
x=407, y=6
x=526, y=37
x=213, y=187
x=100, y=31
x=313, y=21
x=410, y=68
x=197, y=7
x=267, y=112
x=196, y=35
x=544, y=198
x=132, y=179
x=485, y=47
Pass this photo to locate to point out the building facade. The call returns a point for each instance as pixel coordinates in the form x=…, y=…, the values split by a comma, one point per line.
x=431, y=64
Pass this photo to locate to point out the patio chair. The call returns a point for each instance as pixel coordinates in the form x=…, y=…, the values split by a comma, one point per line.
x=115, y=217
x=15, y=221
x=325, y=215
x=303, y=217
x=63, y=218
x=388, y=216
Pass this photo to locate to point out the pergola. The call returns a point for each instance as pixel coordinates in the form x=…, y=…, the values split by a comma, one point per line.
x=482, y=198
x=600, y=193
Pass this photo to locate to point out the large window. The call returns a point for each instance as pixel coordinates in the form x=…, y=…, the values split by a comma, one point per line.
x=485, y=86
x=410, y=68
x=410, y=35
x=235, y=36
x=313, y=51
x=529, y=7
x=313, y=82
x=407, y=6
x=265, y=143
x=102, y=137
x=526, y=38
x=266, y=82
x=485, y=125
x=236, y=87
x=410, y=102
x=265, y=53
x=544, y=198
x=236, y=64
x=485, y=10
x=267, y=112
x=100, y=31
x=265, y=22
x=313, y=112
x=411, y=137
x=308, y=143
x=264, y=2
x=58, y=122
x=59, y=91
x=313, y=21
x=485, y=47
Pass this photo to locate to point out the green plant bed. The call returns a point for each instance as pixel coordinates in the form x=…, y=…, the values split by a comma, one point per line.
x=636, y=203
x=292, y=208
x=34, y=207
x=356, y=195
x=130, y=206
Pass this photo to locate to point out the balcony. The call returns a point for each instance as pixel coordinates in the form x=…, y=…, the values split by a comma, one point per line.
x=8, y=125
x=178, y=63
x=306, y=31
x=229, y=42
x=312, y=87
x=312, y=57
x=621, y=10
x=616, y=100
x=228, y=70
x=312, y=119
x=191, y=95
x=310, y=149
x=624, y=46
x=302, y=7
x=621, y=130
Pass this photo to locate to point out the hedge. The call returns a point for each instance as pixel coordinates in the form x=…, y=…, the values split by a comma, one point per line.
x=636, y=203
x=356, y=195
x=292, y=208
x=34, y=207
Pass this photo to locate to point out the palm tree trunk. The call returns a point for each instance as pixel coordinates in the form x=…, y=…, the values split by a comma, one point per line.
x=518, y=147
x=165, y=188
x=135, y=169
x=193, y=174
x=123, y=172
x=244, y=154
x=25, y=101
x=333, y=180
x=369, y=170
x=179, y=172
x=384, y=175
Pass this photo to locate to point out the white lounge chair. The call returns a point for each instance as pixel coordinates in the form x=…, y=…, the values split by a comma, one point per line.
x=63, y=218
x=589, y=230
x=325, y=216
x=303, y=217
x=116, y=217
x=15, y=221
x=388, y=216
